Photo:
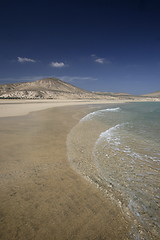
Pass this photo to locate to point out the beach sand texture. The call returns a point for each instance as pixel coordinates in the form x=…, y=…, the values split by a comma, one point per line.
x=42, y=197
x=10, y=108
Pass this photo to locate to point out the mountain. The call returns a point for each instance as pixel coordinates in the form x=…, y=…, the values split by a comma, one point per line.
x=48, y=88
x=154, y=94
x=53, y=88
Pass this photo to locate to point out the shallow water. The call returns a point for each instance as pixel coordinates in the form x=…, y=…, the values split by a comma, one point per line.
x=120, y=148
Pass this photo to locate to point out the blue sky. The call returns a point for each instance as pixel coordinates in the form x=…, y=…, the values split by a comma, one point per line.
x=100, y=45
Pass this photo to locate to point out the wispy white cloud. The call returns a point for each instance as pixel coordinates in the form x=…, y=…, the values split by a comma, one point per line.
x=57, y=64
x=76, y=78
x=24, y=59
x=100, y=60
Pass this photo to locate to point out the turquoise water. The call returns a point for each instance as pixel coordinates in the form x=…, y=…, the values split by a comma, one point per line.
x=125, y=151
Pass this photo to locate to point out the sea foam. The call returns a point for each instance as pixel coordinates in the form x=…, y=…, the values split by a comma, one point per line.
x=124, y=155
x=99, y=112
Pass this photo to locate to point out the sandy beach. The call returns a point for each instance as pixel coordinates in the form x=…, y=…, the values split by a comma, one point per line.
x=42, y=197
x=18, y=107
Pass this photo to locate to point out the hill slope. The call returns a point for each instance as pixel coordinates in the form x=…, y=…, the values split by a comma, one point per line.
x=48, y=84
x=53, y=88
x=45, y=88
x=154, y=94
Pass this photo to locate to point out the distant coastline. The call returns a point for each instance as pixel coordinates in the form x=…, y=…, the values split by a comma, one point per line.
x=53, y=88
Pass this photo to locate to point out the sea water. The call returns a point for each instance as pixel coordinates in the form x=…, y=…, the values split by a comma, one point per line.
x=123, y=154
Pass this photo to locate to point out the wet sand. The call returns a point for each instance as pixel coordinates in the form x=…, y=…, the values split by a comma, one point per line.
x=42, y=197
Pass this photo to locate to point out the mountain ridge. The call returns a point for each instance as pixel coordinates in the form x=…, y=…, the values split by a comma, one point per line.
x=54, y=88
x=153, y=94
x=43, y=88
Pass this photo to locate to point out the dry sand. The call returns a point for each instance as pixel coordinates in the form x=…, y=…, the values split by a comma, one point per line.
x=42, y=197
x=23, y=107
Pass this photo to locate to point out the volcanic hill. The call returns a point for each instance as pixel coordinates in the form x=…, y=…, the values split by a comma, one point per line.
x=53, y=88
x=48, y=88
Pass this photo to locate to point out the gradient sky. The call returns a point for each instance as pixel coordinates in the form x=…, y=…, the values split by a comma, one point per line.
x=98, y=45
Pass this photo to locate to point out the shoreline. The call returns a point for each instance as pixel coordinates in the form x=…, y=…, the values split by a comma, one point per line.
x=42, y=196
x=10, y=108
x=81, y=142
